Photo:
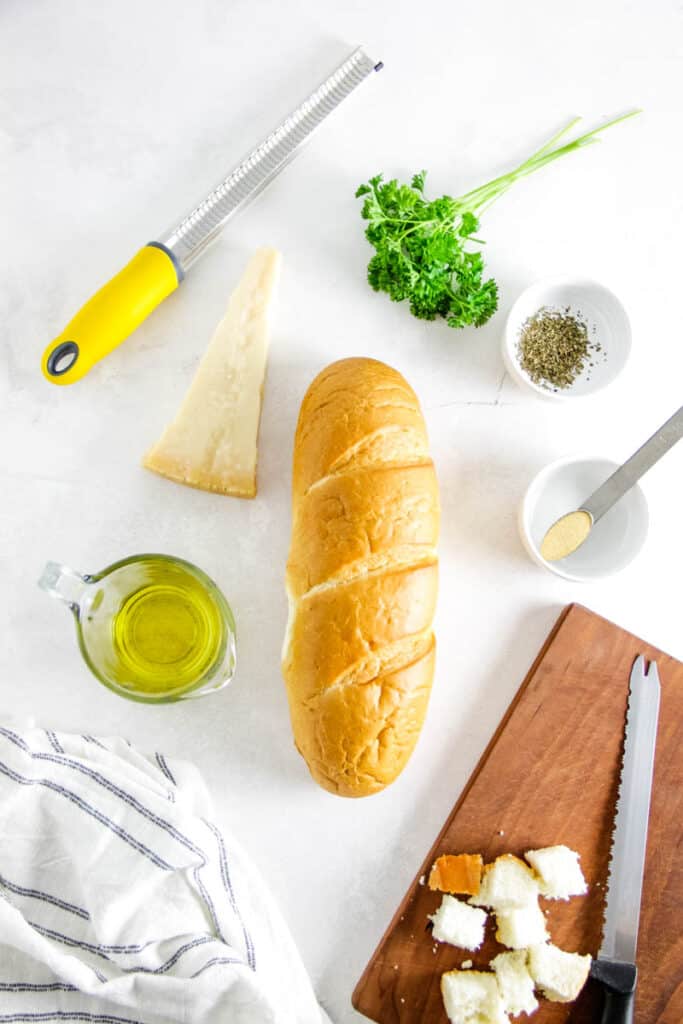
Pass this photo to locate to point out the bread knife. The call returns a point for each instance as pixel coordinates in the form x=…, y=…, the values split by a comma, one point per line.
x=615, y=968
x=159, y=267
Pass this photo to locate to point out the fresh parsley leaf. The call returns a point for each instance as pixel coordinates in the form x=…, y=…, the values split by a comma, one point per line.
x=418, y=181
x=424, y=249
x=420, y=253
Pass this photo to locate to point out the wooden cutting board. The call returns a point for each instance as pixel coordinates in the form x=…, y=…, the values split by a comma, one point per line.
x=548, y=776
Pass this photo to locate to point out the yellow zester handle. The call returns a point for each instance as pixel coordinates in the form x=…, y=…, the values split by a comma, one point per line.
x=111, y=315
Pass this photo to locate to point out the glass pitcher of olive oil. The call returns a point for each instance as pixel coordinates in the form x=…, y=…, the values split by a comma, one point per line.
x=152, y=628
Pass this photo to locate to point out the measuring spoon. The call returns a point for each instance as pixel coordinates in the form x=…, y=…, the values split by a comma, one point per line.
x=571, y=530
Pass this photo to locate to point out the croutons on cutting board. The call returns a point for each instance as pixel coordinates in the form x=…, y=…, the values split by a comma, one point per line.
x=459, y=924
x=521, y=927
x=559, y=872
x=457, y=873
x=472, y=997
x=515, y=983
x=559, y=975
x=508, y=882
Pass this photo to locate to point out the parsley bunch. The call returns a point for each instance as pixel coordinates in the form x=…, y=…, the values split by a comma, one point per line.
x=424, y=247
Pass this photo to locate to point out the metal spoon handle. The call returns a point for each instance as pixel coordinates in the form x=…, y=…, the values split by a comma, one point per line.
x=627, y=475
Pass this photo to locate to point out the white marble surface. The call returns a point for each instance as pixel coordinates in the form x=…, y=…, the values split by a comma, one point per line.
x=113, y=117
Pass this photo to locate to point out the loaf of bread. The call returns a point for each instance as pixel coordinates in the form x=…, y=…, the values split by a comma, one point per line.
x=358, y=656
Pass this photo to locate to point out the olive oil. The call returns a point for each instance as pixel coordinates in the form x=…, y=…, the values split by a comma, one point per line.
x=167, y=635
x=151, y=627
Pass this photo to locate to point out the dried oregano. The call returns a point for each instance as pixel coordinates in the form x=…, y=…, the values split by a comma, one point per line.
x=554, y=347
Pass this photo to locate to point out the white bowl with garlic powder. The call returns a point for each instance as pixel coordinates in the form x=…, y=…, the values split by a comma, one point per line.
x=607, y=324
x=614, y=540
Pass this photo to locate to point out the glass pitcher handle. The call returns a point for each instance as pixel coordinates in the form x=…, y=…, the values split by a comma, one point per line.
x=64, y=584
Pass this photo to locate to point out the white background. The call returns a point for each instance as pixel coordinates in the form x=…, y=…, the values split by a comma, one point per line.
x=114, y=117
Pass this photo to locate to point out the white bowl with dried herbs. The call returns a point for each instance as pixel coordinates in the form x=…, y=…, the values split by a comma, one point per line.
x=566, y=338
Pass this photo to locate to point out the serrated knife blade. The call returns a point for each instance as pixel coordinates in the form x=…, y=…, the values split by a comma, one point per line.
x=625, y=880
x=615, y=966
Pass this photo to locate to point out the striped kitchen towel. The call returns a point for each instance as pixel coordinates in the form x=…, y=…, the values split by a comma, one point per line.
x=122, y=902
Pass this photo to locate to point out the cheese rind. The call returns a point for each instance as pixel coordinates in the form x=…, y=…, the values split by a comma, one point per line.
x=212, y=442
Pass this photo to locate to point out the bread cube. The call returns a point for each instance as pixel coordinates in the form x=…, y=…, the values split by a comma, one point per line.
x=508, y=882
x=558, y=974
x=559, y=872
x=514, y=982
x=459, y=924
x=459, y=873
x=472, y=997
x=519, y=927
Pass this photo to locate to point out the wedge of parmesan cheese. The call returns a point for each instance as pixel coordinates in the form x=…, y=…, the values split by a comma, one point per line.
x=212, y=442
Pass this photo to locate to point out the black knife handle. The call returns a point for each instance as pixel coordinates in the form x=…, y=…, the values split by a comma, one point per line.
x=618, y=981
x=617, y=1008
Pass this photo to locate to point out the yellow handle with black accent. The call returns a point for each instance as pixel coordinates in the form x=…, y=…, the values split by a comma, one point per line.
x=112, y=314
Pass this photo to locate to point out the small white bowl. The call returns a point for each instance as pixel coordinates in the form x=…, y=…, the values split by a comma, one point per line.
x=608, y=325
x=561, y=487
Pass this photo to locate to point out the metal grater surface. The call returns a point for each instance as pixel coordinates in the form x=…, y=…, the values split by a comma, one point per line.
x=188, y=238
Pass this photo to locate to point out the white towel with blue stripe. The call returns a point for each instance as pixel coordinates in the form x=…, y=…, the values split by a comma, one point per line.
x=122, y=902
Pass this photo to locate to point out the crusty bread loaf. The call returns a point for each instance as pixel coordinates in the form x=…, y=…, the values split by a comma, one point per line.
x=358, y=656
